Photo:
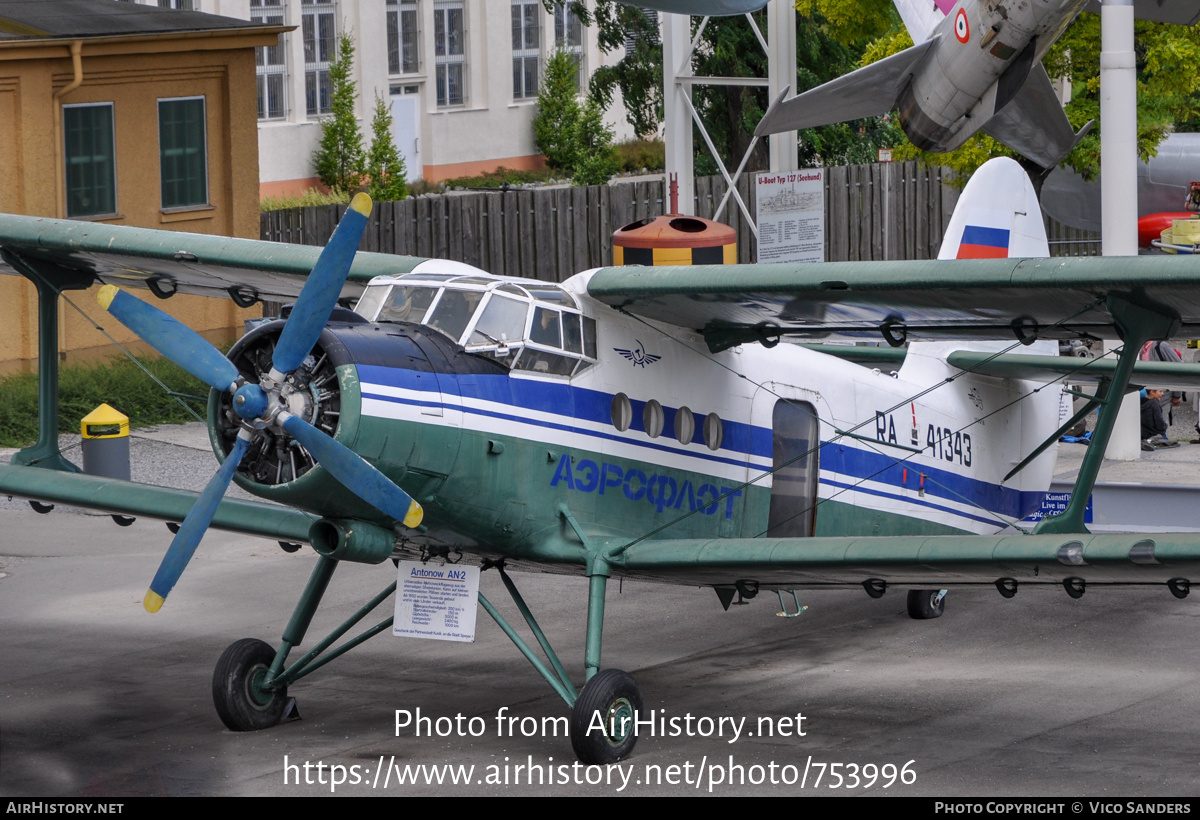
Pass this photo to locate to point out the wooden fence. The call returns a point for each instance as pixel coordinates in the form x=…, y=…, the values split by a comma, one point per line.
x=872, y=212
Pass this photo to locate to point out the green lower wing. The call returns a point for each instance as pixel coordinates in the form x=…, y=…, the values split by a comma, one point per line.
x=147, y=501
x=919, y=560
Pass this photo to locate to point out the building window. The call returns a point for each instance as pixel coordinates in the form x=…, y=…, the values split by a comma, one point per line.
x=527, y=47
x=320, y=47
x=183, y=152
x=402, y=37
x=568, y=37
x=270, y=62
x=91, y=159
x=181, y=5
x=448, y=35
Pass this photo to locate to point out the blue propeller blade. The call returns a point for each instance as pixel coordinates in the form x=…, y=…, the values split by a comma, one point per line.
x=320, y=293
x=193, y=528
x=356, y=474
x=170, y=337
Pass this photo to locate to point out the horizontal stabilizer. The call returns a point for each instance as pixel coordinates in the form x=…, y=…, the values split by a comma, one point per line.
x=868, y=92
x=1034, y=124
x=1182, y=375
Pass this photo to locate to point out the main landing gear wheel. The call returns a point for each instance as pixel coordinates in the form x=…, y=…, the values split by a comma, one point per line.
x=612, y=698
x=241, y=704
x=924, y=604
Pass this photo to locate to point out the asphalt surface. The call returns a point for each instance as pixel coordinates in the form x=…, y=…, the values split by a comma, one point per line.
x=1040, y=695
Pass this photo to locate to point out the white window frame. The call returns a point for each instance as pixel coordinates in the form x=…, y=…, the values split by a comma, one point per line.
x=271, y=12
x=527, y=49
x=398, y=33
x=563, y=29
x=448, y=59
x=314, y=15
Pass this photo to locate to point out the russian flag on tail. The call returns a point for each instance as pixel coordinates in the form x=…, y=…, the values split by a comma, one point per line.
x=983, y=243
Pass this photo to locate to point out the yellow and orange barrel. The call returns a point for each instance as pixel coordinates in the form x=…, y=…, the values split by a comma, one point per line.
x=675, y=240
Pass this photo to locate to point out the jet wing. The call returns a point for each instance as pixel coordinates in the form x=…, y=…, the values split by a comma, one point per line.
x=1033, y=122
x=149, y=501
x=868, y=92
x=187, y=262
x=909, y=561
x=955, y=299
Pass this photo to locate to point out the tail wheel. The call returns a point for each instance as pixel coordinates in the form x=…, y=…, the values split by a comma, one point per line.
x=924, y=604
x=241, y=702
x=604, y=719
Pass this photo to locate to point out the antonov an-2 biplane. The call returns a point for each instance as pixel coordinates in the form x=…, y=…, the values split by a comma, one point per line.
x=635, y=422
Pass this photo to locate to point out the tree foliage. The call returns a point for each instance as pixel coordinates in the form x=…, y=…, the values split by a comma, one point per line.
x=638, y=74
x=573, y=138
x=339, y=159
x=385, y=167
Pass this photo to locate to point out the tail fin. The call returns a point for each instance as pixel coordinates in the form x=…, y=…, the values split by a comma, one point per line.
x=921, y=17
x=997, y=216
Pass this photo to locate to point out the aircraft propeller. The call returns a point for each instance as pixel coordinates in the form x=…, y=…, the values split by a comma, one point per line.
x=263, y=405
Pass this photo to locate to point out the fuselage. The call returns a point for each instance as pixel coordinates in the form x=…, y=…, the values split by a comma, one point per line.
x=636, y=428
x=986, y=51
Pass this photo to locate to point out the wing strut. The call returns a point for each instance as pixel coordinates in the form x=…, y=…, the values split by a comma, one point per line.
x=1137, y=325
x=50, y=280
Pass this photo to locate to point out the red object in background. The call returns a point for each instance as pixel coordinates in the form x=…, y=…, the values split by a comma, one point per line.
x=1151, y=226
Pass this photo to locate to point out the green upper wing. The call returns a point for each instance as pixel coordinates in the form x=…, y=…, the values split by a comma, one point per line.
x=959, y=299
x=187, y=262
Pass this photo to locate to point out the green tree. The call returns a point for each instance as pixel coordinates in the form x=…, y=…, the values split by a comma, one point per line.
x=340, y=159
x=638, y=74
x=595, y=159
x=556, y=124
x=385, y=166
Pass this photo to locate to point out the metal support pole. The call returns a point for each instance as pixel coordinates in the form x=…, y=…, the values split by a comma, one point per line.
x=598, y=573
x=677, y=122
x=1118, y=149
x=781, y=74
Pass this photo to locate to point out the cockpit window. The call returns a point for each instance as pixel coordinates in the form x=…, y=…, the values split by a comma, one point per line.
x=501, y=322
x=524, y=325
x=545, y=329
x=407, y=305
x=454, y=310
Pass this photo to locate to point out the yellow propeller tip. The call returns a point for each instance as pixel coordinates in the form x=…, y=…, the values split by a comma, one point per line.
x=362, y=204
x=153, y=601
x=415, y=514
x=106, y=295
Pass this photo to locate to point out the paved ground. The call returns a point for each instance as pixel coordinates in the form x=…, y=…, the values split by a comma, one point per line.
x=1038, y=695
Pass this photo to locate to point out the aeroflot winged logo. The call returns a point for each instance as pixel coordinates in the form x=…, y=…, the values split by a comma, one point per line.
x=638, y=355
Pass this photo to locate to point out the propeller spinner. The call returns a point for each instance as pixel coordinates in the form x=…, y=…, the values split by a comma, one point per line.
x=261, y=406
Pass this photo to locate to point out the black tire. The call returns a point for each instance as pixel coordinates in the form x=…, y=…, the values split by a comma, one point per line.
x=920, y=604
x=239, y=706
x=614, y=696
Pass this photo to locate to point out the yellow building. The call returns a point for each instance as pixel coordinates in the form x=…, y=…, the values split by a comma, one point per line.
x=130, y=115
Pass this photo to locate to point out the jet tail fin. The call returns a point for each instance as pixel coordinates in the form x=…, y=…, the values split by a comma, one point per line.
x=997, y=216
x=1033, y=122
x=868, y=92
x=921, y=17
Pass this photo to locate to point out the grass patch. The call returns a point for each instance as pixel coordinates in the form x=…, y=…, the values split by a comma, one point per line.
x=82, y=388
x=637, y=155
x=310, y=197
